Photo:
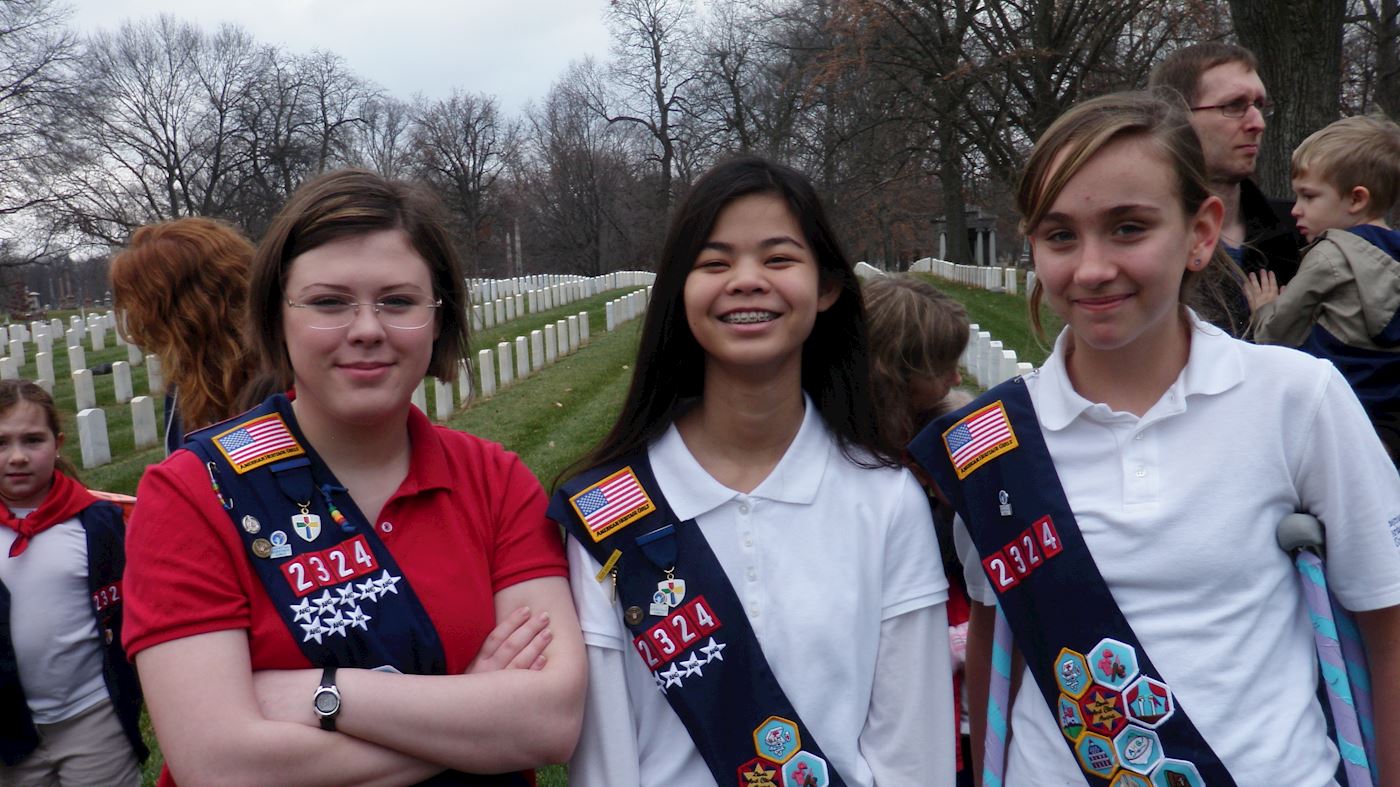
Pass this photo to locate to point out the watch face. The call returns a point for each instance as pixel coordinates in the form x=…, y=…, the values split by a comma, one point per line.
x=327, y=702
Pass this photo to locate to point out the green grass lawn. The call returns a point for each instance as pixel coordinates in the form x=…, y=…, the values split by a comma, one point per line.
x=1004, y=316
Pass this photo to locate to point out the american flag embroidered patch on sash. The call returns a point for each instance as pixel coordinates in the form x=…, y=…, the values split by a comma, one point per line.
x=612, y=504
x=979, y=438
x=257, y=442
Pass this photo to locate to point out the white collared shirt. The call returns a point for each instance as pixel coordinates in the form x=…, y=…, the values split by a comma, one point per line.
x=1179, y=509
x=835, y=564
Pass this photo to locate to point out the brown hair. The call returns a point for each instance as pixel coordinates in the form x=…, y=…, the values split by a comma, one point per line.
x=349, y=203
x=1356, y=151
x=12, y=392
x=915, y=331
x=1083, y=132
x=181, y=289
x=1182, y=69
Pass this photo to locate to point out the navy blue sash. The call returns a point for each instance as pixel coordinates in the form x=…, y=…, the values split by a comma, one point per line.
x=335, y=584
x=690, y=628
x=1119, y=717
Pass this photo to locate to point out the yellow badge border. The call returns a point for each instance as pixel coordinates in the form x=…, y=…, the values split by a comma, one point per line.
x=990, y=452
x=641, y=510
x=240, y=468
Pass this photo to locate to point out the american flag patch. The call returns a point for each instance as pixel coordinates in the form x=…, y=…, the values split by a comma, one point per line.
x=257, y=442
x=612, y=504
x=979, y=438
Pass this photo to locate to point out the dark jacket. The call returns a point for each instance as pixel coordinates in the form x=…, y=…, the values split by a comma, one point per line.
x=106, y=540
x=1271, y=238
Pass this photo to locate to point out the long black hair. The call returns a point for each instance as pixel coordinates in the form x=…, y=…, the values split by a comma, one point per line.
x=670, y=366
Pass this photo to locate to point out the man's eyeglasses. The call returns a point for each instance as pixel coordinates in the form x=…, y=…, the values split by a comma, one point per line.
x=1237, y=108
x=333, y=312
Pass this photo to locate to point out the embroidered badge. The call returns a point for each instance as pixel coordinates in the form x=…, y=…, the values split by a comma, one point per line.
x=1139, y=750
x=1071, y=719
x=1129, y=779
x=806, y=769
x=1096, y=755
x=338, y=610
x=979, y=438
x=758, y=773
x=1113, y=663
x=678, y=633
x=1103, y=711
x=1072, y=673
x=1149, y=702
x=1177, y=773
x=777, y=739
x=257, y=442
x=612, y=504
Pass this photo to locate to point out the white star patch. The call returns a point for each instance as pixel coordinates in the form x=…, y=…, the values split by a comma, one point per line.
x=314, y=630
x=357, y=617
x=347, y=594
x=672, y=675
x=302, y=610
x=660, y=684
x=692, y=665
x=368, y=590
x=712, y=651
x=336, y=624
x=324, y=603
x=387, y=583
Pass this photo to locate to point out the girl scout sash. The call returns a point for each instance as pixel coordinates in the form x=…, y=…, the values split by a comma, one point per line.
x=690, y=629
x=1120, y=719
x=335, y=584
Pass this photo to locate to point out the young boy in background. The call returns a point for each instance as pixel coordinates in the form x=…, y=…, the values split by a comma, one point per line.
x=1344, y=303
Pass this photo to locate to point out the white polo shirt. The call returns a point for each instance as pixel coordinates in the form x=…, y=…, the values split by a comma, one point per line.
x=1179, y=509
x=836, y=565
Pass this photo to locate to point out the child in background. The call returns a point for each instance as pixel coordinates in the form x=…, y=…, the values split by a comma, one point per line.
x=1344, y=303
x=754, y=573
x=917, y=334
x=69, y=700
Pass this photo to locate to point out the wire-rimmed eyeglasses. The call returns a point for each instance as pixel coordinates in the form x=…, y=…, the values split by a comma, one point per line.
x=1237, y=108
x=330, y=313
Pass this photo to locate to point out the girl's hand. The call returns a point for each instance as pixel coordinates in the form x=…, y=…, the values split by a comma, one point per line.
x=1260, y=288
x=517, y=642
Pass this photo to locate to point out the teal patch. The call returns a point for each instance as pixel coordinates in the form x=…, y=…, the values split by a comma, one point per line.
x=1113, y=663
x=1139, y=750
x=1149, y=702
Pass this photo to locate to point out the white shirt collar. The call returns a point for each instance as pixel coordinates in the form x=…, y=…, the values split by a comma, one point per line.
x=692, y=491
x=1212, y=367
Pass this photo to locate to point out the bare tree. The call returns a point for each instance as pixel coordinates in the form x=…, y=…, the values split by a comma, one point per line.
x=462, y=146
x=383, y=139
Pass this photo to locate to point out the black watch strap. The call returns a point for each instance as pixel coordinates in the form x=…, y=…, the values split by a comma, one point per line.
x=326, y=701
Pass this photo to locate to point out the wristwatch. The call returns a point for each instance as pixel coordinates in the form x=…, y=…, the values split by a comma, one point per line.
x=326, y=701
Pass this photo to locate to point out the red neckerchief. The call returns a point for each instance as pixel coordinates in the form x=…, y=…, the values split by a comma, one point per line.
x=65, y=499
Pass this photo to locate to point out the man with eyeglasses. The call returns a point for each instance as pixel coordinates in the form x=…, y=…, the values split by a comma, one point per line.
x=1229, y=107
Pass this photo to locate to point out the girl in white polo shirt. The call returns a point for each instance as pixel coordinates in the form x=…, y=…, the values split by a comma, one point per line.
x=748, y=435
x=1179, y=450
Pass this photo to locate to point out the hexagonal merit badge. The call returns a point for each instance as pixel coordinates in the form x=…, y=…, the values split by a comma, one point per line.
x=1113, y=664
x=1177, y=773
x=1129, y=779
x=1103, y=711
x=1138, y=749
x=776, y=739
x=759, y=773
x=1071, y=718
x=806, y=769
x=1072, y=673
x=1095, y=753
x=1148, y=702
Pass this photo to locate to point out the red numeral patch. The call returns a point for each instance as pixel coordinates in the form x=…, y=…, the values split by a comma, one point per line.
x=311, y=571
x=106, y=597
x=675, y=633
x=1014, y=562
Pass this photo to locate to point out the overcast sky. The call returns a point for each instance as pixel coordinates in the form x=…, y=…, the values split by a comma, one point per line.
x=512, y=49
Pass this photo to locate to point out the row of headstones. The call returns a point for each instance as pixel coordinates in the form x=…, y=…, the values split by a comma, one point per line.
x=92, y=429
x=988, y=361
x=83, y=389
x=496, y=301
x=985, y=277
x=42, y=334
